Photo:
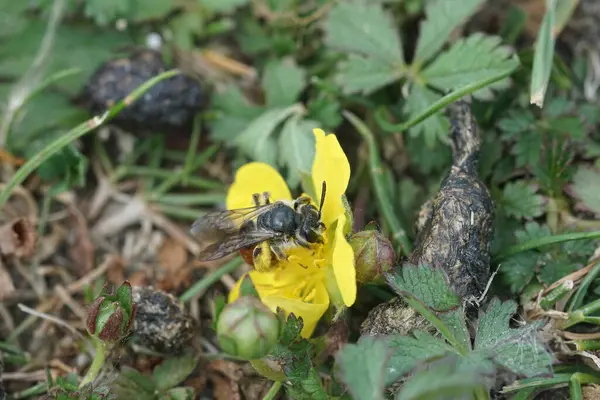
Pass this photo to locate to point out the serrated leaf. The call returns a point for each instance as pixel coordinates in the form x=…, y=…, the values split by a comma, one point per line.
x=474, y=58
x=427, y=284
x=283, y=81
x=12, y=18
x=131, y=384
x=518, y=350
x=521, y=201
x=105, y=11
x=180, y=393
x=433, y=128
x=364, y=28
x=527, y=149
x=532, y=231
x=222, y=6
x=556, y=269
x=144, y=10
x=309, y=388
x=406, y=352
x=443, y=17
x=363, y=367
x=518, y=121
x=430, y=286
x=184, y=28
x=256, y=140
x=359, y=74
x=518, y=270
x=235, y=114
x=82, y=46
x=451, y=376
x=297, y=148
x=585, y=188
x=173, y=371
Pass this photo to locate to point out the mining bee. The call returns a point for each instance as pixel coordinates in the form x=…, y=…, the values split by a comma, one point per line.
x=267, y=229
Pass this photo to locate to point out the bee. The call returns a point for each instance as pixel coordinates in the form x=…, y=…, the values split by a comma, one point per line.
x=268, y=229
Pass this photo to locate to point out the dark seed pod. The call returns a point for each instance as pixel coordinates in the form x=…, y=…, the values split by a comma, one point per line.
x=161, y=323
x=170, y=104
x=394, y=317
x=457, y=234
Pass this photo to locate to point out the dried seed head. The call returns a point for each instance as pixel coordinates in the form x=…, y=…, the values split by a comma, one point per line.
x=161, y=322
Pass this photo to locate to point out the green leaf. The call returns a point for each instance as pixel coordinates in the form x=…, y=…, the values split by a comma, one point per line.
x=543, y=56
x=363, y=367
x=518, y=270
x=471, y=59
x=256, y=140
x=533, y=231
x=297, y=148
x=521, y=201
x=518, y=350
x=309, y=388
x=173, y=371
x=13, y=18
x=364, y=28
x=359, y=74
x=283, y=81
x=527, y=149
x=131, y=384
x=518, y=121
x=430, y=286
x=185, y=27
x=106, y=11
x=443, y=17
x=407, y=352
x=556, y=269
x=222, y=6
x=83, y=46
x=434, y=127
x=235, y=114
x=326, y=109
x=145, y=10
x=451, y=377
x=180, y=393
x=585, y=188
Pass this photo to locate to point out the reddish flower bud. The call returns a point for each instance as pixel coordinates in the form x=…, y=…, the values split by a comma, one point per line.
x=373, y=255
x=110, y=315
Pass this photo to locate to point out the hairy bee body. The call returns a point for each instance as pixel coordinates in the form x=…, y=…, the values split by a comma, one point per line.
x=263, y=233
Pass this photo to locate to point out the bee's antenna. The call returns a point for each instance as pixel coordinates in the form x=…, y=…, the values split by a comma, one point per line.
x=323, y=190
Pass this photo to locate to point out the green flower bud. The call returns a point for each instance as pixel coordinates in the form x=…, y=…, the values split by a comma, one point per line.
x=110, y=315
x=373, y=255
x=247, y=328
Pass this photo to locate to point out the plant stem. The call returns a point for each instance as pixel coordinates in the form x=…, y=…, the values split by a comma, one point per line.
x=481, y=393
x=97, y=364
x=385, y=205
x=543, y=241
x=577, y=298
x=273, y=391
x=443, y=102
x=556, y=294
x=209, y=279
x=77, y=132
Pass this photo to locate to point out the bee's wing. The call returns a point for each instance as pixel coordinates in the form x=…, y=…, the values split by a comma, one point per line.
x=218, y=225
x=235, y=242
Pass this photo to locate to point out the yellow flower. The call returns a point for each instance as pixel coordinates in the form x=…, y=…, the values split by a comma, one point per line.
x=311, y=278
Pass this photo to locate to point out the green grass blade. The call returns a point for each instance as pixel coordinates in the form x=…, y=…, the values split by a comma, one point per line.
x=542, y=59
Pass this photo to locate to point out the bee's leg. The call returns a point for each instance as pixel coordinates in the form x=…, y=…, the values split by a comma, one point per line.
x=301, y=241
x=256, y=199
x=278, y=251
x=266, y=196
x=261, y=255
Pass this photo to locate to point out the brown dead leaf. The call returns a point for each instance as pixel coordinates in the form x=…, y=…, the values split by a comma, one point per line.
x=591, y=392
x=228, y=368
x=336, y=337
x=172, y=255
x=255, y=387
x=82, y=250
x=17, y=238
x=223, y=388
x=115, y=273
x=138, y=278
x=7, y=286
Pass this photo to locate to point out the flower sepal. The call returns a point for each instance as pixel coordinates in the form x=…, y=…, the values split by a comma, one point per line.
x=110, y=316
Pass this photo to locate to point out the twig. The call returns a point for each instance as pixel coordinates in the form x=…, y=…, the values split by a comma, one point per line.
x=50, y=318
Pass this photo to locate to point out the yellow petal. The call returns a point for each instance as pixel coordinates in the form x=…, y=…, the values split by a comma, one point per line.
x=330, y=166
x=256, y=177
x=343, y=264
x=311, y=312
